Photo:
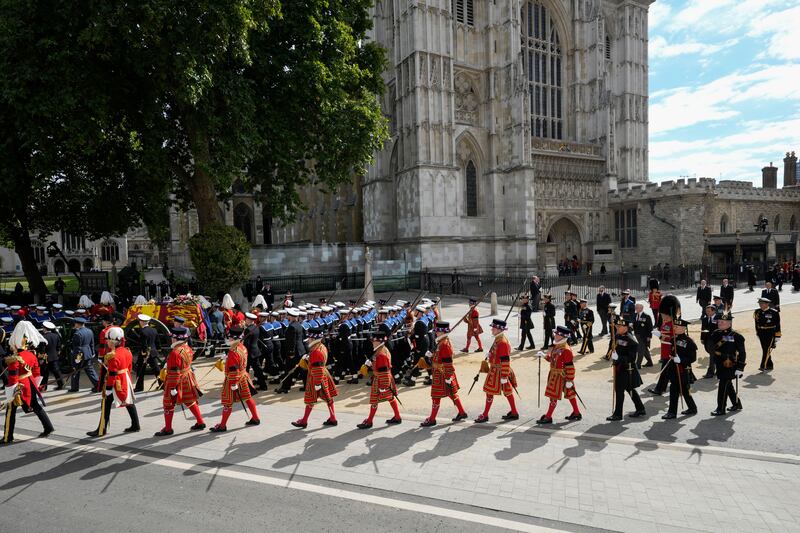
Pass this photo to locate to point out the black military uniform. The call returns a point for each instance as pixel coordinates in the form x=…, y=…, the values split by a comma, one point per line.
x=643, y=330
x=626, y=375
x=344, y=352
x=773, y=296
x=679, y=372
x=296, y=349
x=703, y=296
x=570, y=317
x=603, y=301
x=526, y=324
x=726, y=292
x=51, y=353
x=147, y=354
x=586, y=321
x=612, y=341
x=768, y=329
x=419, y=334
x=708, y=326
x=254, y=356
x=727, y=348
x=549, y=320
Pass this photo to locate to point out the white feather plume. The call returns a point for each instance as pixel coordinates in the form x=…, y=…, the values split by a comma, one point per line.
x=25, y=332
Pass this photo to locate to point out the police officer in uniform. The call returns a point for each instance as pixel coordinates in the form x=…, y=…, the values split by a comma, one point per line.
x=768, y=329
x=728, y=350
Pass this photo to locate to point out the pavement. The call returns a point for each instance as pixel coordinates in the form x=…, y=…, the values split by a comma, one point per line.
x=739, y=472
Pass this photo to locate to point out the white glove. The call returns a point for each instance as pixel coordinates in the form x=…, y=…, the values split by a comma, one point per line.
x=449, y=381
x=739, y=373
x=382, y=390
x=503, y=381
x=305, y=357
x=775, y=340
x=10, y=390
x=568, y=384
x=677, y=360
x=656, y=333
x=317, y=387
x=368, y=363
x=614, y=356
x=235, y=387
x=428, y=353
x=540, y=354
x=173, y=392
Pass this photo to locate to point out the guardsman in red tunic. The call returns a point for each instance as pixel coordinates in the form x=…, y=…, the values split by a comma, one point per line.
x=237, y=381
x=118, y=365
x=22, y=390
x=445, y=382
x=383, y=385
x=561, y=379
x=666, y=334
x=500, y=379
x=102, y=348
x=474, y=328
x=319, y=383
x=180, y=385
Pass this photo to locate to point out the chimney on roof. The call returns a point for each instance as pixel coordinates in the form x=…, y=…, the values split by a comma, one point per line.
x=769, y=177
x=789, y=170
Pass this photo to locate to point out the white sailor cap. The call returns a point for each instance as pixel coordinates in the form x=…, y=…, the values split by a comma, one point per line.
x=345, y=310
x=293, y=312
x=275, y=313
x=251, y=316
x=420, y=308
x=263, y=314
x=144, y=318
x=41, y=308
x=327, y=308
x=48, y=325
x=338, y=304
x=58, y=306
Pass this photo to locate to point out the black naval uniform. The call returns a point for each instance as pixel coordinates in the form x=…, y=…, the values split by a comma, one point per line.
x=549, y=320
x=586, y=320
x=254, y=356
x=147, y=355
x=727, y=349
x=526, y=324
x=680, y=376
x=768, y=329
x=626, y=377
x=643, y=329
x=52, y=351
x=570, y=316
x=296, y=349
x=708, y=326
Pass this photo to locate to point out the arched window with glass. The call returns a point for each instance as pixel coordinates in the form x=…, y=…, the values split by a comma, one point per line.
x=109, y=251
x=471, y=177
x=723, y=224
x=542, y=55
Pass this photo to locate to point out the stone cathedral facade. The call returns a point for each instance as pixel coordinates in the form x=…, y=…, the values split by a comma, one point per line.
x=510, y=121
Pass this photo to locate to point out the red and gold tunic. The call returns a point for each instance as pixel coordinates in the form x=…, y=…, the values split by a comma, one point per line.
x=119, y=363
x=655, y=301
x=318, y=375
x=666, y=339
x=102, y=348
x=180, y=377
x=23, y=371
x=473, y=323
x=99, y=309
x=500, y=368
x=442, y=360
x=561, y=371
x=382, y=379
x=235, y=374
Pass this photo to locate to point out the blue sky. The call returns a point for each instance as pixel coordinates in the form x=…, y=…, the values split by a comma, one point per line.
x=724, y=87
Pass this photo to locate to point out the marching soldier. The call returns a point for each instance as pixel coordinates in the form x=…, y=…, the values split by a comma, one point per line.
x=474, y=328
x=548, y=319
x=626, y=373
x=665, y=333
x=254, y=356
x=586, y=320
x=525, y=323
x=237, y=381
x=570, y=316
x=726, y=294
x=295, y=350
x=383, y=388
x=180, y=385
x=445, y=382
x=22, y=367
x=771, y=294
x=679, y=372
x=561, y=378
x=319, y=384
x=148, y=351
x=612, y=317
x=643, y=331
x=708, y=324
x=83, y=355
x=420, y=343
x=727, y=348
x=51, y=353
x=768, y=329
x=118, y=387
x=500, y=379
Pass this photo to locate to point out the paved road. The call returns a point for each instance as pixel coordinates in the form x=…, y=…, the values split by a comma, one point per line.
x=101, y=489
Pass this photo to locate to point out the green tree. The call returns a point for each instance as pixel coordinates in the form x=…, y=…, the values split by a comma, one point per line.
x=69, y=159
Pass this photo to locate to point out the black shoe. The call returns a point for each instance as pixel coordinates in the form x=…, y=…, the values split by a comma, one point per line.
x=717, y=412
x=428, y=423
x=408, y=382
x=737, y=407
x=479, y=350
x=262, y=388
x=519, y=348
x=197, y=427
x=648, y=364
x=654, y=391
x=532, y=347
x=481, y=419
x=544, y=419
x=459, y=417
x=60, y=386
x=330, y=422
x=394, y=420
x=510, y=416
x=708, y=376
x=281, y=391
x=428, y=381
x=132, y=429
x=614, y=418
x=364, y=425
x=637, y=414
x=164, y=433
x=352, y=381
x=574, y=416
x=93, y=434
x=275, y=381
x=76, y=390
x=298, y=424
x=668, y=416
x=253, y=422
x=218, y=429
x=134, y=390
x=689, y=412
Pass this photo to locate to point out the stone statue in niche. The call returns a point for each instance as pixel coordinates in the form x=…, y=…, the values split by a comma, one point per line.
x=466, y=99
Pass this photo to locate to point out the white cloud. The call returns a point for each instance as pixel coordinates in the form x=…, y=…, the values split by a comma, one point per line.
x=658, y=13
x=723, y=98
x=781, y=27
x=660, y=48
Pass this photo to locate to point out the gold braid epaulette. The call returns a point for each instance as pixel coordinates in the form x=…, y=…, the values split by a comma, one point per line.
x=12, y=358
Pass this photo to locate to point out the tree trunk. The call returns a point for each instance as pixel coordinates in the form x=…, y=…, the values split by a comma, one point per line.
x=200, y=183
x=22, y=245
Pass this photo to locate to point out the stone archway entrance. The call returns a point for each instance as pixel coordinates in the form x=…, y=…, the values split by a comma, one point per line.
x=565, y=235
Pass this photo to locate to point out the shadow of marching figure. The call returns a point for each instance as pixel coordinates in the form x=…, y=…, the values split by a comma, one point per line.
x=718, y=429
x=588, y=443
x=317, y=448
x=383, y=448
x=450, y=442
x=520, y=442
x=754, y=381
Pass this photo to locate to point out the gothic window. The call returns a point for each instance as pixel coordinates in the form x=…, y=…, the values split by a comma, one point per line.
x=541, y=50
x=109, y=251
x=471, y=175
x=723, y=224
x=38, y=252
x=625, y=226
x=464, y=12
x=777, y=225
x=792, y=223
x=242, y=221
x=72, y=242
x=608, y=47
